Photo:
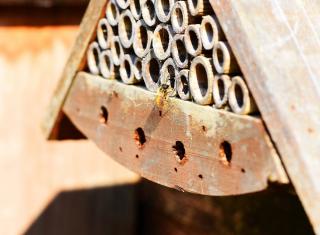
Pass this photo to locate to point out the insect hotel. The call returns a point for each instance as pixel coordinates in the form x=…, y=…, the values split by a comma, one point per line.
x=216, y=98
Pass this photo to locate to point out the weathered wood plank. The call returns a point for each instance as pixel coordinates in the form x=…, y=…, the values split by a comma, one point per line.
x=277, y=45
x=204, y=167
x=75, y=63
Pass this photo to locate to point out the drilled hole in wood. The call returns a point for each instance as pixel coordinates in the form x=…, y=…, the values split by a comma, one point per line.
x=226, y=152
x=103, y=116
x=179, y=151
x=115, y=94
x=139, y=137
x=200, y=176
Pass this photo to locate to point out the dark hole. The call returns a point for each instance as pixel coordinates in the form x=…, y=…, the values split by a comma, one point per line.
x=160, y=113
x=96, y=55
x=194, y=39
x=243, y=170
x=118, y=50
x=202, y=78
x=200, y=176
x=103, y=115
x=182, y=52
x=150, y=7
x=143, y=37
x=195, y=3
x=139, y=66
x=172, y=75
x=120, y=149
x=114, y=11
x=226, y=151
x=209, y=32
x=204, y=128
x=185, y=85
x=154, y=69
x=220, y=56
x=164, y=38
x=165, y=6
x=140, y=137
x=179, y=150
x=127, y=67
x=128, y=26
x=108, y=62
x=137, y=156
x=221, y=89
x=137, y=6
x=239, y=95
x=115, y=94
x=175, y=169
x=105, y=31
x=179, y=16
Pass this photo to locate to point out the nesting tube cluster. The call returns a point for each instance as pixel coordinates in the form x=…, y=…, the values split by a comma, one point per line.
x=170, y=44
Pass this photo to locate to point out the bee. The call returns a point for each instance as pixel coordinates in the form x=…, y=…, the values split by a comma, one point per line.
x=164, y=91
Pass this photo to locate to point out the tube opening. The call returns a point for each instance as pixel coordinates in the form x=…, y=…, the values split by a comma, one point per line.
x=127, y=67
x=151, y=11
x=239, y=95
x=113, y=11
x=165, y=5
x=182, y=52
x=185, y=85
x=220, y=56
x=194, y=39
x=154, y=70
x=96, y=55
x=179, y=16
x=128, y=27
x=107, y=61
x=221, y=88
x=138, y=65
x=137, y=6
x=164, y=38
x=208, y=32
x=201, y=74
x=105, y=31
x=118, y=49
x=143, y=39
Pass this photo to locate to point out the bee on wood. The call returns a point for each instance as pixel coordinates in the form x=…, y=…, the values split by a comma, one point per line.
x=164, y=91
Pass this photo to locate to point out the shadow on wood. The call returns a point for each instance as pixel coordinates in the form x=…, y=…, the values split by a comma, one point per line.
x=147, y=208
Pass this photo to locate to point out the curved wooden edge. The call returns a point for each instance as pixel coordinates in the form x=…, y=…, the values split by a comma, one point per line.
x=75, y=63
x=109, y=113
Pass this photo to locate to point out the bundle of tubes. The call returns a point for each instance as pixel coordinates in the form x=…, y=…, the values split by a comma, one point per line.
x=179, y=44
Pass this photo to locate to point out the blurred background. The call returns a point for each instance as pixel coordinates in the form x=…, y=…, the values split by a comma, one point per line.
x=71, y=187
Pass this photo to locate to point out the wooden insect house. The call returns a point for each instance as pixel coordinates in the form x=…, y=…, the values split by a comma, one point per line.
x=215, y=98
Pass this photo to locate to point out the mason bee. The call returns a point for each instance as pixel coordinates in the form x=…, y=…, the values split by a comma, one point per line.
x=164, y=91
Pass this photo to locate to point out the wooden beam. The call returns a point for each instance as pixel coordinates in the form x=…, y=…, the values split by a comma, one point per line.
x=277, y=44
x=75, y=63
x=179, y=144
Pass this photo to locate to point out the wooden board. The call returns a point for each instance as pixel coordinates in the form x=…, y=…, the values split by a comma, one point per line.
x=75, y=63
x=203, y=167
x=277, y=44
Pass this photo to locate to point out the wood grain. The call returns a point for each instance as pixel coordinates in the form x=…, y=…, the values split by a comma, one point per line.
x=75, y=63
x=201, y=130
x=277, y=44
